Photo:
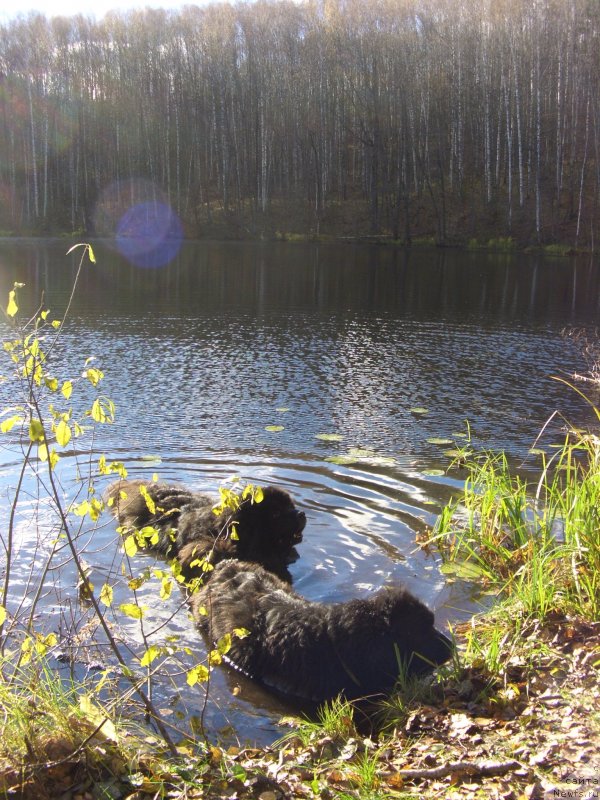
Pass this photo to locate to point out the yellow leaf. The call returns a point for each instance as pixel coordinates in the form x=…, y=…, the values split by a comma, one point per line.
x=36, y=431
x=131, y=610
x=130, y=546
x=93, y=375
x=151, y=505
x=95, y=509
x=224, y=644
x=63, y=433
x=98, y=719
x=148, y=535
x=151, y=653
x=12, y=307
x=9, y=424
x=56, y=323
x=165, y=588
x=67, y=389
x=106, y=595
x=2, y=615
x=103, y=410
x=199, y=673
x=91, y=255
x=26, y=651
x=81, y=509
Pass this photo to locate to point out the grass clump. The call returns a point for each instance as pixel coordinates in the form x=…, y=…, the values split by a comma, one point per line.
x=57, y=734
x=534, y=543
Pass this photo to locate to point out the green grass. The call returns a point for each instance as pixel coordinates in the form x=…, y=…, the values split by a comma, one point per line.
x=536, y=543
x=51, y=723
x=334, y=721
x=58, y=733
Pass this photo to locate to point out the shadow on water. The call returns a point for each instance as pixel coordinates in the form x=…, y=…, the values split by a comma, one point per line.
x=203, y=356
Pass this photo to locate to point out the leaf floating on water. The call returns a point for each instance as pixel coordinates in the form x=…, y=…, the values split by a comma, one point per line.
x=458, y=453
x=433, y=473
x=341, y=460
x=537, y=451
x=381, y=461
x=329, y=437
x=459, y=435
x=274, y=428
x=153, y=458
x=441, y=441
x=359, y=455
x=419, y=411
x=282, y=410
x=462, y=569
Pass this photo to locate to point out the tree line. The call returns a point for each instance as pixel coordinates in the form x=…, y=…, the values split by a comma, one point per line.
x=404, y=118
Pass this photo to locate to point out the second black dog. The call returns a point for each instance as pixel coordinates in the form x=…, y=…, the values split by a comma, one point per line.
x=316, y=651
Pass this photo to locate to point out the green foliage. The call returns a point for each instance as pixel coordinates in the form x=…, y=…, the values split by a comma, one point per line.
x=558, y=250
x=335, y=720
x=536, y=543
x=502, y=243
x=47, y=418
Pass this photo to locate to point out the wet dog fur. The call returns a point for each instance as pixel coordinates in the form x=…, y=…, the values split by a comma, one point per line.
x=187, y=529
x=316, y=651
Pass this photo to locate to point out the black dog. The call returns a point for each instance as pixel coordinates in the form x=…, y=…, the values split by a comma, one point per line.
x=186, y=527
x=315, y=651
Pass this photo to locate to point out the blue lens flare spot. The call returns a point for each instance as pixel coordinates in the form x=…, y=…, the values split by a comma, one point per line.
x=149, y=234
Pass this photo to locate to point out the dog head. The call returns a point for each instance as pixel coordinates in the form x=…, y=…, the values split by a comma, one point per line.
x=421, y=646
x=398, y=638
x=272, y=526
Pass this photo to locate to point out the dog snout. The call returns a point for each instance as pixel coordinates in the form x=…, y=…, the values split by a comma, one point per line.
x=300, y=523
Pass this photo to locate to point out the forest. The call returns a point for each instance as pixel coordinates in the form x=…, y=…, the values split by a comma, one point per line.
x=437, y=120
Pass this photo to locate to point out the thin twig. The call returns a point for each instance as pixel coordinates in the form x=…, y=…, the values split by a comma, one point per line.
x=461, y=768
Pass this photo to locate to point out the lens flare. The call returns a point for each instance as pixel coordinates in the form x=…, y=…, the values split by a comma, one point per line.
x=149, y=234
x=136, y=215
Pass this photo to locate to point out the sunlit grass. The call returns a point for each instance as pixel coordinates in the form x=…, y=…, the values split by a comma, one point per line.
x=334, y=720
x=535, y=542
x=53, y=727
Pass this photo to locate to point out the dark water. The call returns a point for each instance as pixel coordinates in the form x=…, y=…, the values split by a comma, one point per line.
x=202, y=356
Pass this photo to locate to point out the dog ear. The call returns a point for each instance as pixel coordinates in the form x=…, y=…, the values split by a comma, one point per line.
x=406, y=609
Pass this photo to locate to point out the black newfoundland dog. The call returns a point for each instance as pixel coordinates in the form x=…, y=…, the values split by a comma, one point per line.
x=316, y=651
x=262, y=531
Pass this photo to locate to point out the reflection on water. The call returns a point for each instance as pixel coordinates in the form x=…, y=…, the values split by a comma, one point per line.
x=204, y=355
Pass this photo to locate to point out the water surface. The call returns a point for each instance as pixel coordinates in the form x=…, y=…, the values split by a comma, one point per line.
x=202, y=356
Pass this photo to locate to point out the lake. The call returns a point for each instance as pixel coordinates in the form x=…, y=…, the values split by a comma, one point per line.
x=298, y=365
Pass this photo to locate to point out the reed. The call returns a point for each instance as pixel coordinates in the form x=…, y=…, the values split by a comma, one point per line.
x=534, y=542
